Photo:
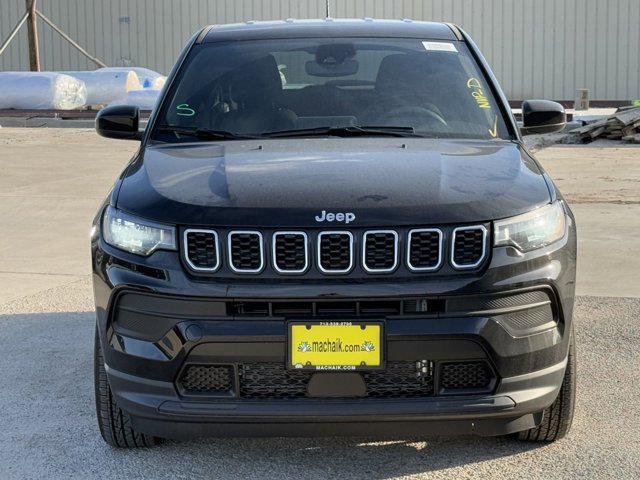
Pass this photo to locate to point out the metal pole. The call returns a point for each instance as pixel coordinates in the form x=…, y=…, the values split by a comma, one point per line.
x=95, y=60
x=328, y=11
x=32, y=29
x=13, y=33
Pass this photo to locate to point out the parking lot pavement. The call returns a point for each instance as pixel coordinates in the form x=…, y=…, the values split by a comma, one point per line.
x=53, y=180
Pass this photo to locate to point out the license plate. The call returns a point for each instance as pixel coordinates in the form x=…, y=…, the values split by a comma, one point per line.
x=335, y=345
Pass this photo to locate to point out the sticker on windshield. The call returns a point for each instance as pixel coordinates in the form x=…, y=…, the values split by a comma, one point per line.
x=439, y=47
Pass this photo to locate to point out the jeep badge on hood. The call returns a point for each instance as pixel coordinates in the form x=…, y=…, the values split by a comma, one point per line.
x=347, y=217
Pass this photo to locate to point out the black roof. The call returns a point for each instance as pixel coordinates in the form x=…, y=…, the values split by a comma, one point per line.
x=292, y=28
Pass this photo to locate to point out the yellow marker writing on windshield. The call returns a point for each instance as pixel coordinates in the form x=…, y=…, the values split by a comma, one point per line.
x=494, y=131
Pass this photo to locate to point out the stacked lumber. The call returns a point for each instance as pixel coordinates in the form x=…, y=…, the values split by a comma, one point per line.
x=623, y=125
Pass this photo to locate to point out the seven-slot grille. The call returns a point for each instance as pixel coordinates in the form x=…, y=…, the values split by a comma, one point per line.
x=335, y=252
x=468, y=246
x=290, y=252
x=380, y=251
x=246, y=251
x=425, y=249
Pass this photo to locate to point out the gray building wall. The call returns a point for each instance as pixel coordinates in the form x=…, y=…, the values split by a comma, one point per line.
x=537, y=48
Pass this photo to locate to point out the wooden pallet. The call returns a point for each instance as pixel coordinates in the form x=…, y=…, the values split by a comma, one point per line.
x=623, y=125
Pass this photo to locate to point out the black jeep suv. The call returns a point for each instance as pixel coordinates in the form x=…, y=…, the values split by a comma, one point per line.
x=333, y=227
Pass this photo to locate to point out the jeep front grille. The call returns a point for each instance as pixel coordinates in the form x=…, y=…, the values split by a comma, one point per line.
x=356, y=252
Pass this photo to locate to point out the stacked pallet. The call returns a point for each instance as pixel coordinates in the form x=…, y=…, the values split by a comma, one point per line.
x=623, y=125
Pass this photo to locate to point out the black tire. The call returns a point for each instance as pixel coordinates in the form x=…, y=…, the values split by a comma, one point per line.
x=115, y=423
x=557, y=418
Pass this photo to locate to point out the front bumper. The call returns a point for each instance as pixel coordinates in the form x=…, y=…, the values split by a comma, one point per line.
x=195, y=326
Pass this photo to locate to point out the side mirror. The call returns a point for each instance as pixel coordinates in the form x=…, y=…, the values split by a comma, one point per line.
x=119, y=121
x=542, y=116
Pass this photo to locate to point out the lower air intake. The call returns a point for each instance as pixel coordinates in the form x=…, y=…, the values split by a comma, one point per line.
x=461, y=376
x=273, y=381
x=209, y=379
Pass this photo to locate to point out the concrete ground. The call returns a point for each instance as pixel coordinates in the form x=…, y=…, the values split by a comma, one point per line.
x=52, y=181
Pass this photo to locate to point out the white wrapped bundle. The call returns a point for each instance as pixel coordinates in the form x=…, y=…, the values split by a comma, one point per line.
x=41, y=90
x=106, y=86
x=145, y=99
x=148, y=78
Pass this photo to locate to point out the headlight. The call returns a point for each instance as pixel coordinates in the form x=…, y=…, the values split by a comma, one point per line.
x=532, y=230
x=136, y=235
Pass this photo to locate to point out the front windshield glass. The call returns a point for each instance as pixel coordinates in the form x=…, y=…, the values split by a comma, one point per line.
x=255, y=88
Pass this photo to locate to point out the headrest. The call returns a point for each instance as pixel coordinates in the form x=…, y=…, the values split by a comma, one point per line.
x=257, y=82
x=412, y=71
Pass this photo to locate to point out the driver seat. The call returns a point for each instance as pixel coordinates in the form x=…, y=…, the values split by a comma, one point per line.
x=402, y=81
x=256, y=89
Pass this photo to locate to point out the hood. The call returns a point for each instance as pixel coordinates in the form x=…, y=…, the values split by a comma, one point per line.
x=289, y=182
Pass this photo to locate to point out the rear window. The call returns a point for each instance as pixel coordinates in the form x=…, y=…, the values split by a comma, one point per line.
x=257, y=87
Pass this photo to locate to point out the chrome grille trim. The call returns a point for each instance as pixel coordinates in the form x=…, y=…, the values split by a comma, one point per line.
x=440, y=245
x=306, y=252
x=364, y=251
x=230, y=253
x=453, y=243
x=319, y=253
x=185, y=249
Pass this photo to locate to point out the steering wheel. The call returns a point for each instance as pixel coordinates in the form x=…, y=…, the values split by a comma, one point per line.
x=413, y=111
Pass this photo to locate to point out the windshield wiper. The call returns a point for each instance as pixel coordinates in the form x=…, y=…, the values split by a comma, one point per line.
x=204, y=133
x=352, y=131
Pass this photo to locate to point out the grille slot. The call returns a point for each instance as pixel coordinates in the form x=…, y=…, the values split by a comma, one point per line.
x=458, y=376
x=335, y=252
x=292, y=308
x=314, y=308
x=336, y=308
x=246, y=252
x=201, y=250
x=210, y=379
x=380, y=251
x=424, y=251
x=290, y=252
x=389, y=307
x=468, y=246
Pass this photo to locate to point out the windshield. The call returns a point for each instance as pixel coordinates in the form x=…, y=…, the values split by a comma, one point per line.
x=367, y=86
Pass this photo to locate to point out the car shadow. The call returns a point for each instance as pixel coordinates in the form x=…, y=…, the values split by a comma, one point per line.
x=366, y=458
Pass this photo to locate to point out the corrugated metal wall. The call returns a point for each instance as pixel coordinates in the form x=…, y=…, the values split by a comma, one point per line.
x=538, y=48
